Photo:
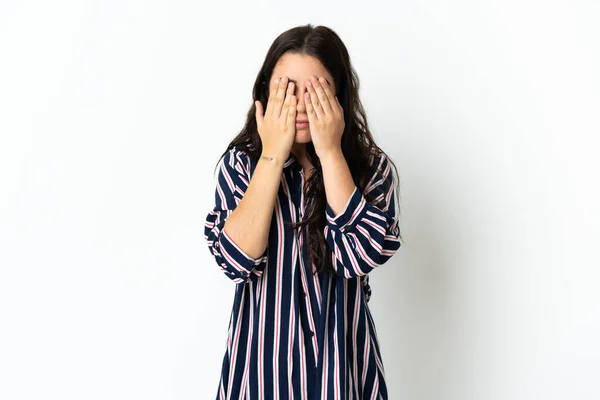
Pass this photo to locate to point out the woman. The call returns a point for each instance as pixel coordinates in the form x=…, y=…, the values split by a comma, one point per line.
x=304, y=210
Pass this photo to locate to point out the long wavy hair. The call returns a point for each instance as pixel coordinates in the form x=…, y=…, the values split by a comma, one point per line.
x=357, y=142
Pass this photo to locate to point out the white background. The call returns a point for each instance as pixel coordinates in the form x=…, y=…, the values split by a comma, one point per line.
x=114, y=113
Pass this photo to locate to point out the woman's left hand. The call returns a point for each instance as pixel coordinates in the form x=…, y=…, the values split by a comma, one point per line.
x=325, y=116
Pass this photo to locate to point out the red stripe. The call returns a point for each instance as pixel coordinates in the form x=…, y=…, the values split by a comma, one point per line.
x=354, y=253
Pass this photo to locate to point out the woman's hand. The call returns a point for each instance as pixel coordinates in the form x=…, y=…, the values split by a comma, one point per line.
x=325, y=116
x=277, y=127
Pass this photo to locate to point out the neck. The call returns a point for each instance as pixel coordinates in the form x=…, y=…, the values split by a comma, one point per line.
x=299, y=150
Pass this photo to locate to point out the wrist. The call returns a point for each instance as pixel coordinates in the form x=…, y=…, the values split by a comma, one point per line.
x=331, y=155
x=272, y=158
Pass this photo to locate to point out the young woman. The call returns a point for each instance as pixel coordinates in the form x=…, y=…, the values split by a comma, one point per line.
x=304, y=210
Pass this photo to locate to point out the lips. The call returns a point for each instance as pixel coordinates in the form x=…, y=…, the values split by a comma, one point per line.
x=304, y=121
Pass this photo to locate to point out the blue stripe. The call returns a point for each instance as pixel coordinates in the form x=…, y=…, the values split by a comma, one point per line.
x=354, y=235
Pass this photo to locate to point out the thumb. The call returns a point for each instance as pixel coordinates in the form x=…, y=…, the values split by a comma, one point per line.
x=259, y=113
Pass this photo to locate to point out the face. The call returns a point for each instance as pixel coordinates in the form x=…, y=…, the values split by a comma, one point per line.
x=299, y=68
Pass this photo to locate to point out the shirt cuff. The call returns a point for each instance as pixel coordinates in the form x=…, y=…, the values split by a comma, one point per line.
x=347, y=218
x=237, y=257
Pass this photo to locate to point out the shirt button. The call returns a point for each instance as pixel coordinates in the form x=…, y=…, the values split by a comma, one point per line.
x=310, y=333
x=303, y=293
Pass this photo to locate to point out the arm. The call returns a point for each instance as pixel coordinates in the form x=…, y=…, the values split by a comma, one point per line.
x=361, y=235
x=237, y=228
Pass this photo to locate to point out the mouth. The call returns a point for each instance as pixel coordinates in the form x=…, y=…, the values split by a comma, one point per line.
x=301, y=124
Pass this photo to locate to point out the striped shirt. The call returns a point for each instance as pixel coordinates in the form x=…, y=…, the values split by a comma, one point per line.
x=294, y=334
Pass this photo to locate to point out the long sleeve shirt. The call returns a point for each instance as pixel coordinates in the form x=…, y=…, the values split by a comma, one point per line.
x=294, y=334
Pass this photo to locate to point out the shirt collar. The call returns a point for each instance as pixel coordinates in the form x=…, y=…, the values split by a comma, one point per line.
x=292, y=163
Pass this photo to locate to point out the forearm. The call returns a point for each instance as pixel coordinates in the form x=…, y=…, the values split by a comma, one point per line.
x=337, y=179
x=249, y=223
x=361, y=235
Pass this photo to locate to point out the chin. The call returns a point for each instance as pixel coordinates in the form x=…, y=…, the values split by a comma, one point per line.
x=303, y=136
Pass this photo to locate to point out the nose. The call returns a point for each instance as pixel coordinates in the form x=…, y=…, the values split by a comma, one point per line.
x=300, y=106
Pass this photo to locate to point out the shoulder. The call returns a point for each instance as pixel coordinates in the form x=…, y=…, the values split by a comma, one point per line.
x=380, y=187
x=234, y=154
x=381, y=164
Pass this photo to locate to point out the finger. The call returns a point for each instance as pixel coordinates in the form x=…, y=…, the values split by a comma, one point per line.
x=310, y=110
x=280, y=96
x=271, y=100
x=286, y=102
x=314, y=100
x=329, y=94
x=292, y=111
x=273, y=87
x=323, y=99
x=259, y=113
x=290, y=104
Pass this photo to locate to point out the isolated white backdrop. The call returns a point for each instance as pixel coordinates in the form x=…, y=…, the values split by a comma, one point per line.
x=114, y=113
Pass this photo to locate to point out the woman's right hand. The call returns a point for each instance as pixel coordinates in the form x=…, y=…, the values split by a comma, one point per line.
x=277, y=126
